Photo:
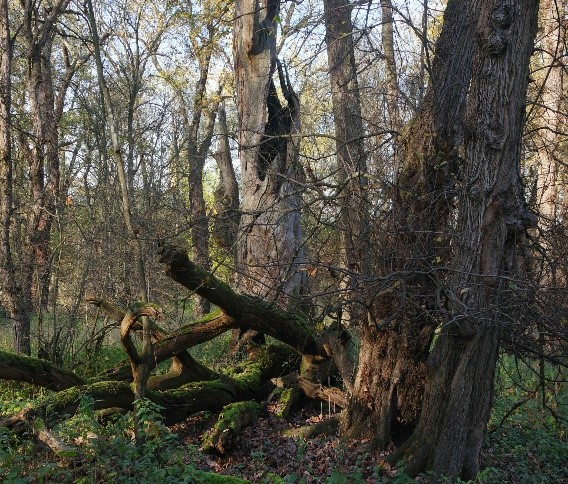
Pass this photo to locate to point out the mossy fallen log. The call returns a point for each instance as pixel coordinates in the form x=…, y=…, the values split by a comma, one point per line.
x=246, y=312
x=232, y=420
x=37, y=372
x=245, y=381
x=176, y=404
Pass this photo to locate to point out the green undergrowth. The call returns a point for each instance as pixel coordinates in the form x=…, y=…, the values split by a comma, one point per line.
x=526, y=442
x=527, y=438
x=109, y=452
x=15, y=395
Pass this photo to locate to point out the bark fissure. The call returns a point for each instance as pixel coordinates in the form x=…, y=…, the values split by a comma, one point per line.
x=492, y=217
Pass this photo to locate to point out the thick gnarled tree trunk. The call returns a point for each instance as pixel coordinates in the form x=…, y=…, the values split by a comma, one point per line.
x=386, y=400
x=491, y=219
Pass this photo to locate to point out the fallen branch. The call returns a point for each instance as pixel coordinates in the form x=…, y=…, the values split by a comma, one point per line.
x=60, y=449
x=332, y=395
x=184, y=367
x=247, y=312
x=37, y=372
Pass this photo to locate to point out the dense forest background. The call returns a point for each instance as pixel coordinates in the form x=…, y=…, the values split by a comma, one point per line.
x=218, y=214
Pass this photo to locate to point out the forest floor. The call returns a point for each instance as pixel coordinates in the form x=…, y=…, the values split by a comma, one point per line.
x=525, y=443
x=530, y=446
x=263, y=449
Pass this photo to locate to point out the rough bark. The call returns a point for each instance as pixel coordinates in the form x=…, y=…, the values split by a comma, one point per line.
x=386, y=398
x=39, y=34
x=41, y=150
x=269, y=248
x=491, y=219
x=244, y=311
x=387, y=395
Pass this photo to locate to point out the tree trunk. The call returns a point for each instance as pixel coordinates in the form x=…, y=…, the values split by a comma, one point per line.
x=387, y=394
x=270, y=252
x=551, y=102
x=392, y=90
x=227, y=215
x=197, y=154
x=491, y=219
x=132, y=231
x=386, y=400
x=33, y=275
x=10, y=295
x=44, y=162
x=351, y=156
x=140, y=368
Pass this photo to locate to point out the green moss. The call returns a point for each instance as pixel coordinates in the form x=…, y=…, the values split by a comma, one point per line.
x=19, y=361
x=287, y=396
x=302, y=323
x=247, y=377
x=66, y=400
x=182, y=391
x=233, y=417
x=205, y=319
x=232, y=412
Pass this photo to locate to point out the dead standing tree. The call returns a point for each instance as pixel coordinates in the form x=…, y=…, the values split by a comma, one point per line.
x=269, y=246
